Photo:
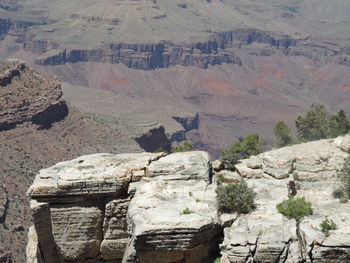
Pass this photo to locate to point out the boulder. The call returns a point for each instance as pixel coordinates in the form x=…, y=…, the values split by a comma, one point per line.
x=194, y=165
x=80, y=208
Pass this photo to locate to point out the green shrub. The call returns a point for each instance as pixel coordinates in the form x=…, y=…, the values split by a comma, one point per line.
x=327, y=225
x=235, y=197
x=318, y=124
x=314, y=125
x=250, y=145
x=295, y=208
x=344, y=199
x=338, y=124
x=282, y=134
x=341, y=194
x=185, y=147
x=187, y=211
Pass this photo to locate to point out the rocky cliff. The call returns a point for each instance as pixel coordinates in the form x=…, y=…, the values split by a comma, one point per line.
x=308, y=170
x=36, y=132
x=116, y=208
x=153, y=207
x=221, y=48
x=27, y=96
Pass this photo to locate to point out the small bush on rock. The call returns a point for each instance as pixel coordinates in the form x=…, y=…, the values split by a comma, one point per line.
x=327, y=225
x=229, y=160
x=296, y=208
x=235, y=197
x=187, y=211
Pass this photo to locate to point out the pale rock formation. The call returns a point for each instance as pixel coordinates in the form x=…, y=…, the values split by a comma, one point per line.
x=173, y=216
x=86, y=210
x=309, y=170
x=97, y=174
x=153, y=207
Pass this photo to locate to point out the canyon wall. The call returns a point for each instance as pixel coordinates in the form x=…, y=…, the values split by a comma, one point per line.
x=222, y=48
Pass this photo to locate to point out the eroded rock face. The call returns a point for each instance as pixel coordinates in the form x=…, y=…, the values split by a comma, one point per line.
x=178, y=217
x=27, y=96
x=153, y=207
x=98, y=175
x=87, y=209
x=265, y=235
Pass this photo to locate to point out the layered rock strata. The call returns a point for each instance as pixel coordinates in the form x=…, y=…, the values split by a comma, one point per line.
x=307, y=170
x=27, y=96
x=221, y=48
x=153, y=207
x=126, y=207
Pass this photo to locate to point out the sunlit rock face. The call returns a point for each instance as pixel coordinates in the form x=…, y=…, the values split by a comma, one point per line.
x=154, y=207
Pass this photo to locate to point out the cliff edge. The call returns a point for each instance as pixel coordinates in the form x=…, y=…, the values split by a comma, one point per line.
x=153, y=207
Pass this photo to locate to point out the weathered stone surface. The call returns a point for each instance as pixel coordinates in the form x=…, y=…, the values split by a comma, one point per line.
x=113, y=249
x=115, y=222
x=47, y=250
x=173, y=216
x=265, y=235
x=165, y=209
x=77, y=230
x=87, y=200
x=226, y=176
x=254, y=162
x=96, y=174
x=115, y=229
x=245, y=172
x=309, y=161
x=194, y=165
x=32, y=251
